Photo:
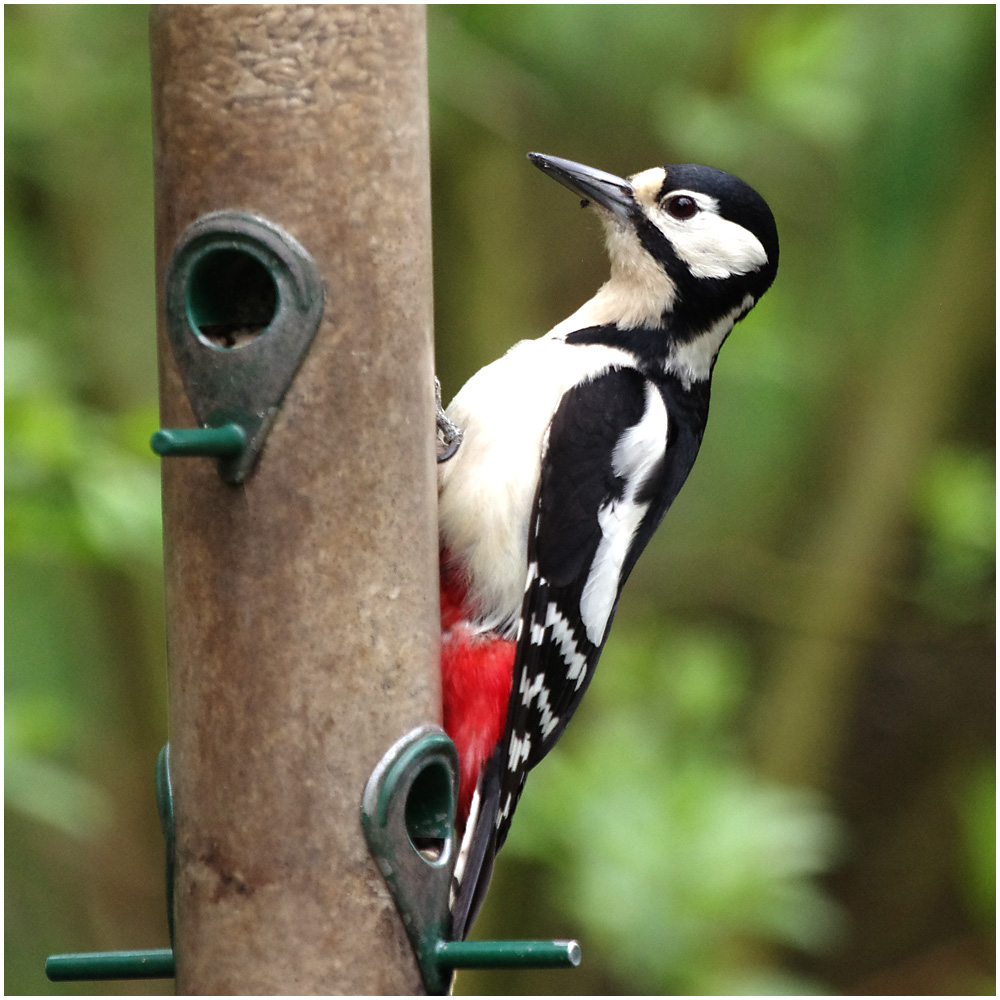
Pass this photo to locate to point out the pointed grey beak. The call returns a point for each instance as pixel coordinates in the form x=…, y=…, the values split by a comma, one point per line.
x=611, y=192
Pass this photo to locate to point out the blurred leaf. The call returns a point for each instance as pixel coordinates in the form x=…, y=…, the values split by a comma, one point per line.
x=978, y=809
x=958, y=500
x=77, y=481
x=53, y=795
x=956, y=504
x=37, y=723
x=119, y=498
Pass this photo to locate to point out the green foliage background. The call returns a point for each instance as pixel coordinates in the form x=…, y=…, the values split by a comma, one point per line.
x=782, y=779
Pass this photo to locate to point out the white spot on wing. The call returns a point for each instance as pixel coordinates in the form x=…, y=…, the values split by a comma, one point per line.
x=636, y=454
x=520, y=749
x=562, y=633
x=528, y=691
x=536, y=691
x=502, y=814
x=548, y=721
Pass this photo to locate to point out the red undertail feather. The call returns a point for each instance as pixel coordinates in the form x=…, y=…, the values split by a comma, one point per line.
x=476, y=672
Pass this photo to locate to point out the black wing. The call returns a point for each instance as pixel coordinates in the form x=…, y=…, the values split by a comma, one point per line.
x=619, y=448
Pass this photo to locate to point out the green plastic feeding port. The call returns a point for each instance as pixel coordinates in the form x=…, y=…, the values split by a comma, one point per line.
x=244, y=300
x=408, y=815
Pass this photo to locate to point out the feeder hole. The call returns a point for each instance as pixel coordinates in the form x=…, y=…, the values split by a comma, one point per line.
x=231, y=297
x=428, y=814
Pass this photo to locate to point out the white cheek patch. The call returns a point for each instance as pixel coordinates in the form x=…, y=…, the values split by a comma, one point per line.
x=711, y=246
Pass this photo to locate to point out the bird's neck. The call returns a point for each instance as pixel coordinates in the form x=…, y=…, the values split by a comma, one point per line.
x=691, y=357
x=639, y=293
x=662, y=341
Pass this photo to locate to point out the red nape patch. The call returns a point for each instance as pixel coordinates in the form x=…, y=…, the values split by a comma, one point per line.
x=475, y=685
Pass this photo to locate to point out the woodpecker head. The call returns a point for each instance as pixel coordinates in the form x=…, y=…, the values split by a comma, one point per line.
x=692, y=248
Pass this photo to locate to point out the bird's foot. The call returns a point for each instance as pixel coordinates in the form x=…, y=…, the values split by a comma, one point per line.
x=449, y=435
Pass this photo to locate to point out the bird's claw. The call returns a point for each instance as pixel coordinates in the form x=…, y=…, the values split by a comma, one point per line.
x=449, y=435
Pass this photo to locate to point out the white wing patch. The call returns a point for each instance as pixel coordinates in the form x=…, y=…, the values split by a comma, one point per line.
x=635, y=456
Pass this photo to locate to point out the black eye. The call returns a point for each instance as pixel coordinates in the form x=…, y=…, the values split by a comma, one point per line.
x=680, y=206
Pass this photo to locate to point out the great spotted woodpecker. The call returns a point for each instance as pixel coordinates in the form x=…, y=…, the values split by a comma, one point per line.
x=572, y=448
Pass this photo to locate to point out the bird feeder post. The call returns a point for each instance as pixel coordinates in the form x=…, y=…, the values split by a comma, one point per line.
x=301, y=584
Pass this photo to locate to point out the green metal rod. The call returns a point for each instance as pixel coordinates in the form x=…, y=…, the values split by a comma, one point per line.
x=152, y=963
x=507, y=954
x=226, y=441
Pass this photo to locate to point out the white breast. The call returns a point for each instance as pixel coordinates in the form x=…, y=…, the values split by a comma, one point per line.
x=486, y=492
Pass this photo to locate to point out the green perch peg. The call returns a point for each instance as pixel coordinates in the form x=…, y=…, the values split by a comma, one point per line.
x=151, y=963
x=507, y=954
x=225, y=441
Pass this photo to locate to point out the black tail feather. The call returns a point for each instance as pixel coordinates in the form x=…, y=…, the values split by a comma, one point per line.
x=474, y=867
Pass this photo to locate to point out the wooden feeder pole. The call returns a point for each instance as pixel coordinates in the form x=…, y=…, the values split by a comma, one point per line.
x=302, y=603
